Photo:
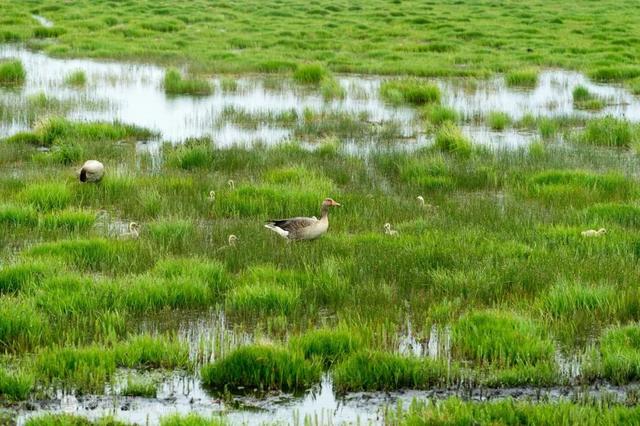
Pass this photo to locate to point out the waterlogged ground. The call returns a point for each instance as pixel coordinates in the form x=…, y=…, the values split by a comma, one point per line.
x=246, y=115
x=486, y=290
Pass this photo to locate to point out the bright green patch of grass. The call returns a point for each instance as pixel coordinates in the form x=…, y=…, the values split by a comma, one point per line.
x=500, y=338
x=526, y=78
x=454, y=411
x=47, y=196
x=309, y=74
x=77, y=78
x=192, y=419
x=449, y=138
x=437, y=115
x=414, y=92
x=584, y=99
x=261, y=368
x=371, y=371
x=175, y=84
x=498, y=120
x=12, y=73
x=609, y=131
x=328, y=345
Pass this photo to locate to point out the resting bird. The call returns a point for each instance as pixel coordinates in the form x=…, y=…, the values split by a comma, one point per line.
x=303, y=228
x=91, y=171
x=389, y=231
x=593, y=232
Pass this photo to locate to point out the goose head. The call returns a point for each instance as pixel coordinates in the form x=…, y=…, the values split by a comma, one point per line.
x=212, y=195
x=602, y=231
x=232, y=240
x=134, y=228
x=231, y=183
x=387, y=227
x=420, y=199
x=329, y=202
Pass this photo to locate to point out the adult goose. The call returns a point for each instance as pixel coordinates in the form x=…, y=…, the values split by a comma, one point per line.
x=304, y=228
x=91, y=171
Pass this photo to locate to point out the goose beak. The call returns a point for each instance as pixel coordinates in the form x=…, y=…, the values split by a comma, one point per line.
x=336, y=204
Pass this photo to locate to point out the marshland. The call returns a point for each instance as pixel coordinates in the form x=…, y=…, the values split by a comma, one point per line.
x=482, y=267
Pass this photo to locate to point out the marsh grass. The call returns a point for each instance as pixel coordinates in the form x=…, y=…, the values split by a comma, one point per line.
x=192, y=419
x=526, y=78
x=329, y=345
x=584, y=99
x=139, y=387
x=507, y=411
x=261, y=368
x=409, y=91
x=88, y=368
x=498, y=120
x=47, y=196
x=12, y=73
x=310, y=74
x=15, y=278
x=68, y=220
x=379, y=371
x=570, y=299
x=175, y=83
x=449, y=138
x=513, y=340
x=618, y=358
x=609, y=132
x=263, y=298
x=76, y=78
x=15, y=385
x=623, y=214
x=438, y=115
x=18, y=215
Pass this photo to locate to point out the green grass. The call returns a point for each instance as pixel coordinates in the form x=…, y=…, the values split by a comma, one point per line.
x=619, y=355
x=438, y=115
x=372, y=371
x=449, y=138
x=261, y=368
x=141, y=388
x=609, y=132
x=12, y=73
x=76, y=79
x=526, y=78
x=455, y=411
x=176, y=84
x=512, y=340
x=498, y=120
x=192, y=420
x=413, y=92
x=328, y=345
x=584, y=99
x=309, y=74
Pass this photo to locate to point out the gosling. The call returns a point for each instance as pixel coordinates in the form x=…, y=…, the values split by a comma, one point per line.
x=593, y=233
x=389, y=231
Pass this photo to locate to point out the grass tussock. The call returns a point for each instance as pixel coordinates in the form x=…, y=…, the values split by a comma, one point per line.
x=437, y=115
x=526, y=78
x=375, y=371
x=584, y=99
x=76, y=78
x=498, y=120
x=309, y=74
x=328, y=345
x=449, y=138
x=261, y=368
x=500, y=339
x=12, y=73
x=609, y=132
x=413, y=92
x=175, y=83
x=458, y=412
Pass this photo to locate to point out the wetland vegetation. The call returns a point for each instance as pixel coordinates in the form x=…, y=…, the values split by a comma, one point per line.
x=163, y=269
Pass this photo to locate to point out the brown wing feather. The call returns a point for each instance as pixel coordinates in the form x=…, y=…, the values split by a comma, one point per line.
x=293, y=224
